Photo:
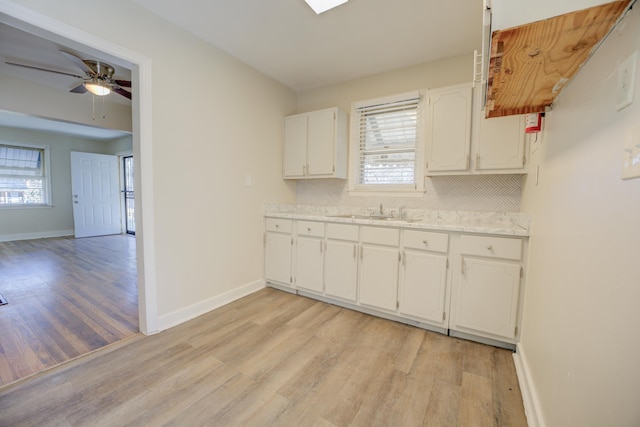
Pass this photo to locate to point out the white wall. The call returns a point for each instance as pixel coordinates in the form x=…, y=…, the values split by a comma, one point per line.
x=214, y=120
x=25, y=223
x=580, y=337
x=499, y=193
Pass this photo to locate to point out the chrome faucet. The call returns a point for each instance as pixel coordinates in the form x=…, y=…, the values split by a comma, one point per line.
x=381, y=210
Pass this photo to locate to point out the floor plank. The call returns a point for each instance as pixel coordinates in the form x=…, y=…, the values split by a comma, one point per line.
x=67, y=297
x=277, y=359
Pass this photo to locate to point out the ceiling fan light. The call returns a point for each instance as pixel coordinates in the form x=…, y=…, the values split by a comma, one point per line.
x=97, y=88
x=320, y=6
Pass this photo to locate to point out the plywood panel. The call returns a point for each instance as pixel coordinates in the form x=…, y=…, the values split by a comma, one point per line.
x=530, y=64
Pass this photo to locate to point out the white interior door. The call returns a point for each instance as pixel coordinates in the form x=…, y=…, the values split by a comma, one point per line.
x=96, y=199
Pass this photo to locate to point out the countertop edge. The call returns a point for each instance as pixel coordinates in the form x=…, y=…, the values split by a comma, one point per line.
x=505, y=230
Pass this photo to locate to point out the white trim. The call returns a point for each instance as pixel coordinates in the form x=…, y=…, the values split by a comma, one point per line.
x=185, y=314
x=527, y=388
x=142, y=136
x=36, y=235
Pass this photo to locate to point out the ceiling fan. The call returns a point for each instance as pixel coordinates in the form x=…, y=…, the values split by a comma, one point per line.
x=98, y=78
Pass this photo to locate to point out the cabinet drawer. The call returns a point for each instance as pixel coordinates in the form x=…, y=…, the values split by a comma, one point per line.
x=309, y=228
x=279, y=225
x=381, y=236
x=342, y=232
x=492, y=247
x=436, y=242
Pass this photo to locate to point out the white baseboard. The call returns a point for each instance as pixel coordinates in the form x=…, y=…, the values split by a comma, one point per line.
x=180, y=316
x=38, y=235
x=529, y=395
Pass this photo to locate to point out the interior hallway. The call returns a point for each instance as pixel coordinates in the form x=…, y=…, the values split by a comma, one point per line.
x=67, y=297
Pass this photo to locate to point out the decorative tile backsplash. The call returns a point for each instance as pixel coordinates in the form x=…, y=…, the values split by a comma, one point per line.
x=480, y=193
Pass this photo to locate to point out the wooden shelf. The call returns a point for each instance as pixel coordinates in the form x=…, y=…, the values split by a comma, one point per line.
x=530, y=64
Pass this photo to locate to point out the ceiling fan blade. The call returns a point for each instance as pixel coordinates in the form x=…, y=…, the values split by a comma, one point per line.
x=79, y=62
x=123, y=83
x=31, y=67
x=79, y=89
x=122, y=92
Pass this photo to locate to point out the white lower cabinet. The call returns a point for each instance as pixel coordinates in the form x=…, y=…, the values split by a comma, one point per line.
x=405, y=274
x=309, y=256
x=341, y=262
x=379, y=258
x=487, y=292
x=424, y=277
x=278, y=242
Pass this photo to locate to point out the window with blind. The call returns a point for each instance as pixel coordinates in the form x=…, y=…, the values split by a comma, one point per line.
x=386, y=146
x=23, y=180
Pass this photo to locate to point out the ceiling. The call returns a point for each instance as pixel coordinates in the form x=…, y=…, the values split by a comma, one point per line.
x=287, y=41
x=283, y=39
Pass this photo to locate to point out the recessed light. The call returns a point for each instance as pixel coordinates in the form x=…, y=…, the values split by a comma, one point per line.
x=320, y=6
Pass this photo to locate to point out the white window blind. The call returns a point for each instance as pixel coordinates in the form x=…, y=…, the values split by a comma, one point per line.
x=22, y=175
x=388, y=139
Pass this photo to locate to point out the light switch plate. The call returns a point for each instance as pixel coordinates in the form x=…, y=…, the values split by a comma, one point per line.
x=626, y=81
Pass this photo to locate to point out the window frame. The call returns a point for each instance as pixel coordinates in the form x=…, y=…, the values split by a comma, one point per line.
x=418, y=188
x=46, y=176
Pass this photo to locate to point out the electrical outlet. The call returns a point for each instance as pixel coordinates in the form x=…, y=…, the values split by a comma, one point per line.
x=626, y=81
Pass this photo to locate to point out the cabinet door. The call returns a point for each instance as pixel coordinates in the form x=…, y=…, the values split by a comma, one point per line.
x=449, y=129
x=321, y=142
x=309, y=256
x=487, y=297
x=277, y=258
x=379, y=276
x=500, y=143
x=341, y=270
x=295, y=146
x=423, y=283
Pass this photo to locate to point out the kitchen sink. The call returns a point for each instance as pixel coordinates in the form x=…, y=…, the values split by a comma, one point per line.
x=375, y=218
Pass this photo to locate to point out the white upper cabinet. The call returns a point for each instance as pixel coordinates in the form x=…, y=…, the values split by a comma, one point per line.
x=460, y=141
x=498, y=142
x=449, y=128
x=315, y=145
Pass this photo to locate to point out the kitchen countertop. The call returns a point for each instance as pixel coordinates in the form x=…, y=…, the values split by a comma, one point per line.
x=501, y=223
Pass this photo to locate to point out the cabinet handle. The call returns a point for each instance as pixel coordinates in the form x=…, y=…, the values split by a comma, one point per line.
x=277, y=225
x=354, y=251
x=426, y=242
x=320, y=246
x=489, y=248
x=308, y=229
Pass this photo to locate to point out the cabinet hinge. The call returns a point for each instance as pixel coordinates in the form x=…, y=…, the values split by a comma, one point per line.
x=447, y=262
x=399, y=256
x=292, y=241
x=521, y=271
x=524, y=160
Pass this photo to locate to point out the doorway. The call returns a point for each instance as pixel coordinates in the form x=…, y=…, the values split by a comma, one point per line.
x=140, y=65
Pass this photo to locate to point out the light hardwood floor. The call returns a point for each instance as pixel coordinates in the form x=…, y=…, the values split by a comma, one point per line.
x=276, y=359
x=67, y=297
